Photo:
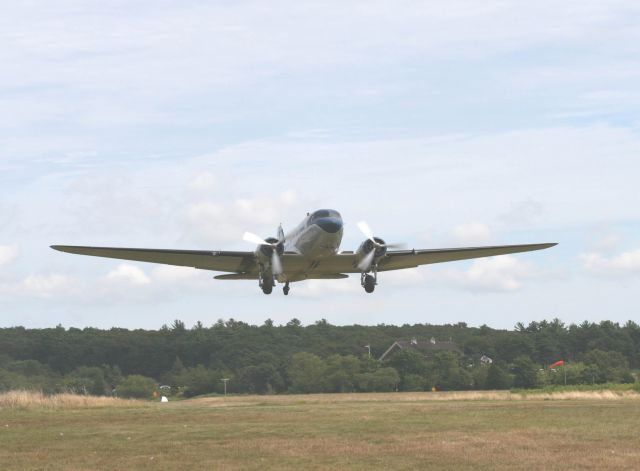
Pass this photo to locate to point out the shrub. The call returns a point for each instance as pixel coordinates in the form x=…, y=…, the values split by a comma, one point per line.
x=137, y=386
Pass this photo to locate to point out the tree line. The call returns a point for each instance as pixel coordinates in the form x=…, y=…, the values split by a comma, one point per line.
x=320, y=357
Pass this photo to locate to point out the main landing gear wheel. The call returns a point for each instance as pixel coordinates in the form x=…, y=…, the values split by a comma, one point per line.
x=286, y=288
x=369, y=283
x=267, y=288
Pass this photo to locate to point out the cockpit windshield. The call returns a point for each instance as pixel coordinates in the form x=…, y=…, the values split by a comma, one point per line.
x=324, y=213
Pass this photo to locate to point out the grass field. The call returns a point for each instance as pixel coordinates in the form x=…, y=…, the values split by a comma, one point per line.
x=493, y=430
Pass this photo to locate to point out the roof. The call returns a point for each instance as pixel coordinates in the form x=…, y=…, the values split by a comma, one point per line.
x=426, y=347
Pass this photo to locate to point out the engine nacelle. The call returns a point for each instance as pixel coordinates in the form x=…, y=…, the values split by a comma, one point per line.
x=367, y=246
x=265, y=252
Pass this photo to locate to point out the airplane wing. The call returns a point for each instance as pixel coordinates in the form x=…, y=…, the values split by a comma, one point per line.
x=399, y=259
x=228, y=261
x=243, y=266
x=239, y=265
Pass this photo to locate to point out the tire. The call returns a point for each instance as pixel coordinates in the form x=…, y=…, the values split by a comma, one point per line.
x=369, y=284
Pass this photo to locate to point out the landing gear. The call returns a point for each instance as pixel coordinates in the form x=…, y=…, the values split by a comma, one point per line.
x=286, y=288
x=266, y=284
x=369, y=282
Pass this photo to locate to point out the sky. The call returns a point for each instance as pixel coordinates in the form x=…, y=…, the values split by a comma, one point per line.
x=183, y=124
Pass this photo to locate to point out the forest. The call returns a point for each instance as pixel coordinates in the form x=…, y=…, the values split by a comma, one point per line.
x=295, y=358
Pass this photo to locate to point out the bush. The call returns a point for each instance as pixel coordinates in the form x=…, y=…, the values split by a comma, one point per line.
x=200, y=380
x=137, y=386
x=381, y=380
x=306, y=373
x=86, y=380
x=497, y=378
x=413, y=382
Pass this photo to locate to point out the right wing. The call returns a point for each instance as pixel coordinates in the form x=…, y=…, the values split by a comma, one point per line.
x=228, y=261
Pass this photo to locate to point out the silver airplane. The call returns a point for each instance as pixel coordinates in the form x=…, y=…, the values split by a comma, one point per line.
x=310, y=251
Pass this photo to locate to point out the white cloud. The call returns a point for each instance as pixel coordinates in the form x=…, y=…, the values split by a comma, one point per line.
x=502, y=273
x=624, y=264
x=525, y=212
x=45, y=286
x=8, y=253
x=205, y=181
x=171, y=274
x=129, y=274
x=406, y=277
x=472, y=233
x=606, y=241
x=323, y=288
x=210, y=222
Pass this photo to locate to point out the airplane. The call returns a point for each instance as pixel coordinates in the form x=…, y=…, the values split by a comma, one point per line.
x=310, y=251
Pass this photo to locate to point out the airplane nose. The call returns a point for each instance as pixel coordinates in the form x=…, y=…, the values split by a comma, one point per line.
x=331, y=225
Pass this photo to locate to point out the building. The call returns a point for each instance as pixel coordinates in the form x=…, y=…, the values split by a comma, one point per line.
x=427, y=348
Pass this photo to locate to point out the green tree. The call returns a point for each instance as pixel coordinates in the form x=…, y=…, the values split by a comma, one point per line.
x=87, y=380
x=412, y=382
x=449, y=374
x=340, y=373
x=497, y=378
x=199, y=380
x=381, y=380
x=608, y=367
x=306, y=373
x=525, y=373
x=137, y=386
x=260, y=379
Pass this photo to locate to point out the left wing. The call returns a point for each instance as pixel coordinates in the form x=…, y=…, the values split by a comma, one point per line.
x=399, y=259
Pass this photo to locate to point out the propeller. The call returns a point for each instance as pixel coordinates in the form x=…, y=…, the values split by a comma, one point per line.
x=365, y=263
x=276, y=265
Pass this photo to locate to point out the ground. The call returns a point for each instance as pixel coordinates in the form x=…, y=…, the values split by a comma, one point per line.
x=338, y=431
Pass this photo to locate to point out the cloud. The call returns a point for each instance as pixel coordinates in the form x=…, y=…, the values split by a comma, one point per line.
x=208, y=222
x=128, y=274
x=46, y=286
x=322, y=288
x=203, y=182
x=502, y=273
x=171, y=274
x=525, y=212
x=472, y=233
x=624, y=264
x=8, y=253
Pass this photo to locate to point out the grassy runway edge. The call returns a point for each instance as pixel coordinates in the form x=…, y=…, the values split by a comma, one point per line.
x=469, y=430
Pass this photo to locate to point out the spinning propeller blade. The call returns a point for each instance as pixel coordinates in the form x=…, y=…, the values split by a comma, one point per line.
x=276, y=264
x=364, y=228
x=365, y=263
x=254, y=239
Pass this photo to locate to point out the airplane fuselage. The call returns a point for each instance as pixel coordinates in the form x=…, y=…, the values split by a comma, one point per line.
x=319, y=235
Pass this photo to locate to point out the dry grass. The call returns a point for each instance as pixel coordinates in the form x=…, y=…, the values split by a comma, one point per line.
x=468, y=431
x=603, y=395
x=37, y=400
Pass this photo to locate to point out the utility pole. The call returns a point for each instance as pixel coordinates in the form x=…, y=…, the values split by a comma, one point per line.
x=368, y=347
x=225, y=380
